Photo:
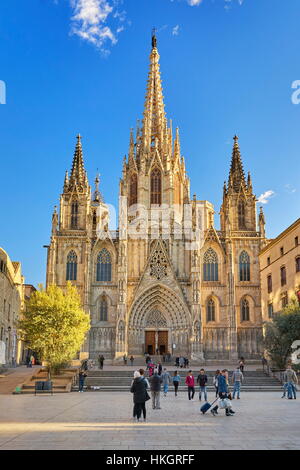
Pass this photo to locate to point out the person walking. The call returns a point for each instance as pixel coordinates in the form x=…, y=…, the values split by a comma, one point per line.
x=242, y=365
x=291, y=379
x=166, y=380
x=237, y=380
x=176, y=381
x=215, y=381
x=150, y=368
x=81, y=378
x=223, y=395
x=101, y=361
x=131, y=360
x=159, y=367
x=202, y=381
x=125, y=360
x=139, y=390
x=155, y=387
x=190, y=382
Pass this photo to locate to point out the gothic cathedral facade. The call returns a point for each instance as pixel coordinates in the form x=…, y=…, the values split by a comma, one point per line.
x=166, y=281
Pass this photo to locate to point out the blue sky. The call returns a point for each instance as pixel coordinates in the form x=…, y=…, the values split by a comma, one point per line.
x=81, y=66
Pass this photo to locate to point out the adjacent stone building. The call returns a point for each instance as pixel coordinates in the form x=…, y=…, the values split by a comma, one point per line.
x=11, y=302
x=166, y=280
x=280, y=271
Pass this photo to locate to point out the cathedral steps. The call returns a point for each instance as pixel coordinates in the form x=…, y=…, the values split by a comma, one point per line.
x=120, y=381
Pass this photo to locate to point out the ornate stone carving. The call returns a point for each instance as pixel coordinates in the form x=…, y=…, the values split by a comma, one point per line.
x=156, y=319
x=158, y=265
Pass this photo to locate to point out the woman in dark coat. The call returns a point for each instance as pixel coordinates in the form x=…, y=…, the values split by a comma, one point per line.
x=139, y=390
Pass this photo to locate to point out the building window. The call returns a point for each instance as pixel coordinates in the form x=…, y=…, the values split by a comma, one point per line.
x=210, y=266
x=104, y=266
x=244, y=266
x=245, y=309
x=103, y=309
x=283, y=275
x=133, y=190
x=298, y=264
x=71, y=266
x=269, y=261
x=284, y=300
x=241, y=215
x=210, y=311
x=281, y=251
x=269, y=280
x=296, y=241
x=270, y=310
x=156, y=186
x=4, y=306
x=74, y=214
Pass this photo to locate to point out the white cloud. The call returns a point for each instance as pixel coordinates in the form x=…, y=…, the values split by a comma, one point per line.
x=264, y=198
x=89, y=22
x=175, y=30
x=290, y=189
x=194, y=3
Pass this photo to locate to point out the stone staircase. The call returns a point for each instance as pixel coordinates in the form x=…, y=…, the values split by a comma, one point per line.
x=120, y=381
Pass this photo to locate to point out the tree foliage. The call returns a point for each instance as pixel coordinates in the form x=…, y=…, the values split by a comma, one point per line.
x=281, y=333
x=54, y=324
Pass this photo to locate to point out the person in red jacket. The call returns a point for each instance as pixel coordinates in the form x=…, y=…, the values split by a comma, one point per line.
x=190, y=382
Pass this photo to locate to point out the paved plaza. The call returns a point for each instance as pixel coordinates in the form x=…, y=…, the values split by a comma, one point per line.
x=100, y=420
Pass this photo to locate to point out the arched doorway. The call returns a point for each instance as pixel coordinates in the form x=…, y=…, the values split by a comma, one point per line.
x=156, y=333
x=159, y=320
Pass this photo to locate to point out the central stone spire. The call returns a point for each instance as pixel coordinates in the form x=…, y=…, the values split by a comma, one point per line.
x=154, y=121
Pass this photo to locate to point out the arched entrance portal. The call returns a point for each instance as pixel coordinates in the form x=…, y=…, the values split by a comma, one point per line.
x=156, y=333
x=159, y=323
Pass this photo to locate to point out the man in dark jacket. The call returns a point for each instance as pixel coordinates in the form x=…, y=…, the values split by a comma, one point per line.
x=155, y=384
x=139, y=390
x=202, y=381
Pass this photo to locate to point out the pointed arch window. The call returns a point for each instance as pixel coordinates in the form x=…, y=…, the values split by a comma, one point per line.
x=210, y=311
x=210, y=266
x=103, y=309
x=104, y=266
x=245, y=310
x=244, y=265
x=71, y=273
x=155, y=186
x=133, y=190
x=94, y=220
x=241, y=215
x=74, y=214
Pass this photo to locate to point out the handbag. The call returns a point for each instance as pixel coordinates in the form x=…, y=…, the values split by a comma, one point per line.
x=147, y=396
x=224, y=403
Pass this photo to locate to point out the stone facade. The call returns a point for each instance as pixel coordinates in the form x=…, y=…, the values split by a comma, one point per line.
x=11, y=303
x=280, y=271
x=166, y=280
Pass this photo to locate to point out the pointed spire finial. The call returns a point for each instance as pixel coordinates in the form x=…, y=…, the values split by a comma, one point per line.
x=97, y=195
x=236, y=175
x=154, y=40
x=78, y=174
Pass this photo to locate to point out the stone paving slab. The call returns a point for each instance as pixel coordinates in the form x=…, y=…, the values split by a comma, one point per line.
x=103, y=421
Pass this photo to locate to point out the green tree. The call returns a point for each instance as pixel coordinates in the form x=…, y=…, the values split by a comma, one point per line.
x=54, y=324
x=281, y=333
